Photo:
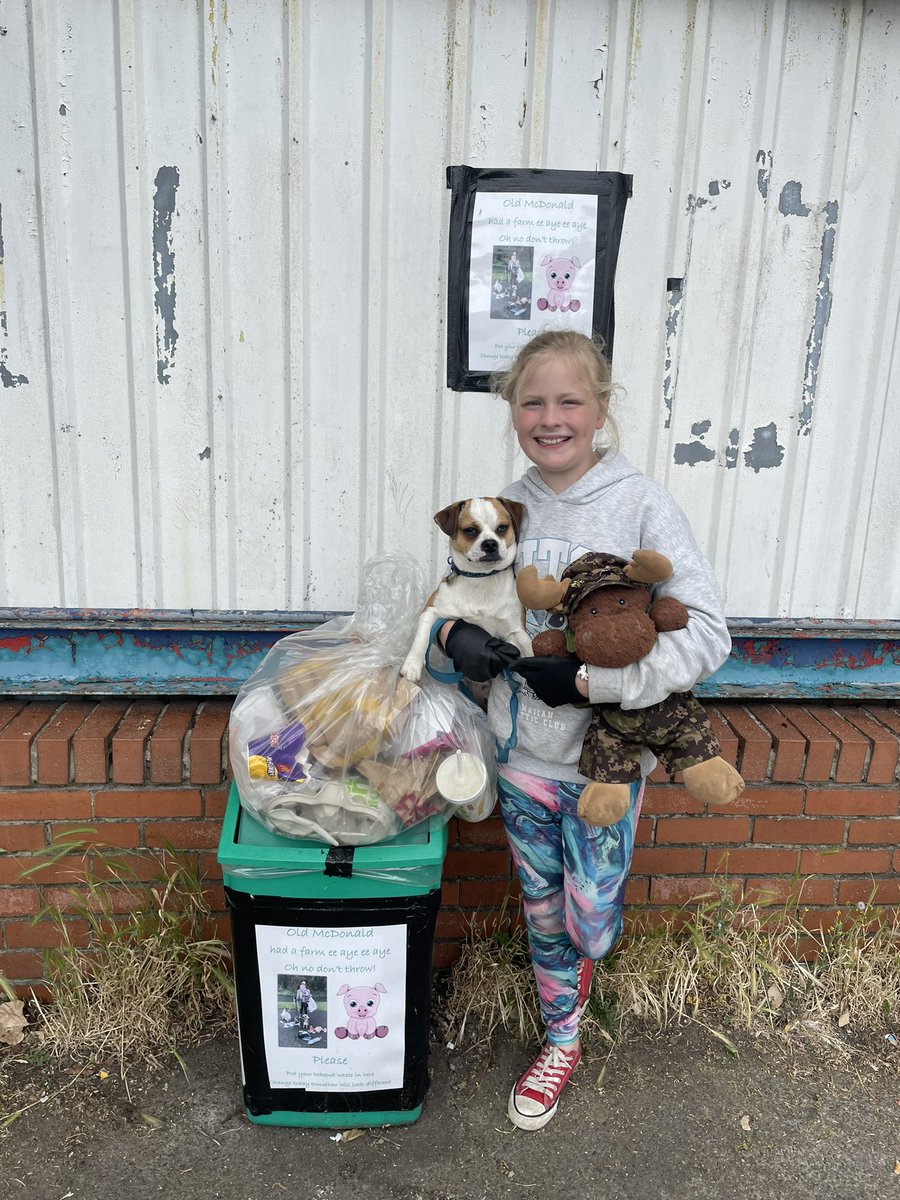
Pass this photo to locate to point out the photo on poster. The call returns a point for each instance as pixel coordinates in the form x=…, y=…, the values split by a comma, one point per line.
x=302, y=1011
x=511, y=283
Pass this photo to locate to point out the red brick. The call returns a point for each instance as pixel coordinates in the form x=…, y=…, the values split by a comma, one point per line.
x=885, y=744
x=215, y=801
x=19, y=902
x=147, y=802
x=669, y=890
x=703, y=830
x=453, y=923
x=820, y=831
x=853, y=748
x=209, y=866
x=482, y=833
x=659, y=774
x=450, y=892
x=214, y=894
x=34, y=935
x=874, y=832
x=821, y=745
x=753, y=860
x=16, y=739
x=843, y=862
x=896, y=865
x=770, y=890
x=887, y=715
x=637, y=891
x=725, y=735
x=8, y=710
x=789, y=742
x=445, y=955
x=129, y=742
x=21, y=964
x=869, y=891
x=106, y=833
x=476, y=864
x=185, y=835
x=819, y=919
x=142, y=865
x=852, y=802
x=473, y=893
x=206, y=741
x=643, y=835
x=755, y=742
x=769, y=800
x=663, y=860
x=116, y=900
x=167, y=741
x=91, y=744
x=21, y=837
x=45, y=806
x=53, y=743
x=670, y=798
x=65, y=870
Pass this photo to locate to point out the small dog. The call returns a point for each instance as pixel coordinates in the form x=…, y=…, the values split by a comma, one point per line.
x=481, y=587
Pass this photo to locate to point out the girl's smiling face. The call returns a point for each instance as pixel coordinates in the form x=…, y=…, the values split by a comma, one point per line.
x=555, y=417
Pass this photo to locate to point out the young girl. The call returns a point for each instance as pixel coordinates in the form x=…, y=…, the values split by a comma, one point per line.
x=579, y=497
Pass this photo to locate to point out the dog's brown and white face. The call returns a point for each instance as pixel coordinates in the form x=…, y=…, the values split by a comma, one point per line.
x=482, y=532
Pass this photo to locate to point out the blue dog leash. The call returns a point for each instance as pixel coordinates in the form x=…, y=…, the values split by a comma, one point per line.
x=456, y=677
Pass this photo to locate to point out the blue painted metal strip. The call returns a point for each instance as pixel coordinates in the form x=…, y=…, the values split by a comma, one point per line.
x=113, y=652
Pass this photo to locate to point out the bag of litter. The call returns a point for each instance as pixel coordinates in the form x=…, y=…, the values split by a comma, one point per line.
x=328, y=741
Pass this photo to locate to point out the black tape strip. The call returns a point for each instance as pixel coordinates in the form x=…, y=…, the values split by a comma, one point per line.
x=339, y=862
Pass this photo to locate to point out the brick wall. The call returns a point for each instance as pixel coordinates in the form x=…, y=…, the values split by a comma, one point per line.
x=822, y=803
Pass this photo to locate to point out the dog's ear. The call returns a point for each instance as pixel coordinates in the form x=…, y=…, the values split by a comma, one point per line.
x=447, y=518
x=517, y=512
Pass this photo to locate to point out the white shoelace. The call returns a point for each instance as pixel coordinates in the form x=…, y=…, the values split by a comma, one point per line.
x=546, y=1074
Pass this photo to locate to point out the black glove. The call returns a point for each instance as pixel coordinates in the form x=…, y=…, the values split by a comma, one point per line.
x=476, y=653
x=552, y=678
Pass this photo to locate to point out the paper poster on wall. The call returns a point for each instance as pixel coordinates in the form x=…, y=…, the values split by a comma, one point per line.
x=333, y=1006
x=529, y=250
x=532, y=264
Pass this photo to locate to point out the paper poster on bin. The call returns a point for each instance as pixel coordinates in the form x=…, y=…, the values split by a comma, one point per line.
x=333, y=1005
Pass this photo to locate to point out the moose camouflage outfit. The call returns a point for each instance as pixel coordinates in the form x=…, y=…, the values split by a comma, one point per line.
x=676, y=729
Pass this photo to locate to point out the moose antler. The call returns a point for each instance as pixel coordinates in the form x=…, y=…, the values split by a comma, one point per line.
x=534, y=592
x=648, y=566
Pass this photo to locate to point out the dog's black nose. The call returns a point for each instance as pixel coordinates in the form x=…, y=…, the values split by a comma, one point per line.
x=489, y=545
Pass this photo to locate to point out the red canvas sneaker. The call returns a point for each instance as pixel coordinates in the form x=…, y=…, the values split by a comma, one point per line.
x=535, y=1098
x=585, y=973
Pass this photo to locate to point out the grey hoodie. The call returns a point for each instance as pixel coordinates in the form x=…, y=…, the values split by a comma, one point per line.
x=616, y=509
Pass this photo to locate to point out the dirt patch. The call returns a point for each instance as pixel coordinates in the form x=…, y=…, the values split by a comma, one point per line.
x=674, y=1116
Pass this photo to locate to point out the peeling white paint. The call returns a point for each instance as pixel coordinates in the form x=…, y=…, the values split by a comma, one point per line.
x=229, y=394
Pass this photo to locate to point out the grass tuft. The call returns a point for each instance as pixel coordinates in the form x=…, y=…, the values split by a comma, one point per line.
x=753, y=966
x=149, y=978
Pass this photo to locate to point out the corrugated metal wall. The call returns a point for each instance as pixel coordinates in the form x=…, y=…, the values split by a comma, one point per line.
x=223, y=276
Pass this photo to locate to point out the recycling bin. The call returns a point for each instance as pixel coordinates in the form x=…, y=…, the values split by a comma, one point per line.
x=332, y=963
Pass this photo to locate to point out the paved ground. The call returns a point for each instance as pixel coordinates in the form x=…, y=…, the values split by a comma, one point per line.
x=674, y=1117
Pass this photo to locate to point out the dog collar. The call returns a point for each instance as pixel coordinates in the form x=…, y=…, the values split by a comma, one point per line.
x=476, y=574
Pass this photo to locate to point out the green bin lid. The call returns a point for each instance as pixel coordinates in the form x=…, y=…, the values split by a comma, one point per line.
x=245, y=842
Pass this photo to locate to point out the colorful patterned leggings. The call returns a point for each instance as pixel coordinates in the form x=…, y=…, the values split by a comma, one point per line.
x=572, y=877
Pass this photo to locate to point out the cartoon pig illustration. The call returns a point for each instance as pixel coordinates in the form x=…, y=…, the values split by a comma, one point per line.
x=560, y=275
x=361, y=1004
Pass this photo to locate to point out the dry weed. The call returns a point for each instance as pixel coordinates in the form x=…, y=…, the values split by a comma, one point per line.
x=725, y=963
x=149, y=981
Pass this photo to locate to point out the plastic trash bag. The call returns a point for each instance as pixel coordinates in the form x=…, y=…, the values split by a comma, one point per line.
x=329, y=742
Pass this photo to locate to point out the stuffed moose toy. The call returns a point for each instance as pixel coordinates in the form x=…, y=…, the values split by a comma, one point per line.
x=613, y=622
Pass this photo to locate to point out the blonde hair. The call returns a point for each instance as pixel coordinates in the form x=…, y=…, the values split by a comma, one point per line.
x=586, y=356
